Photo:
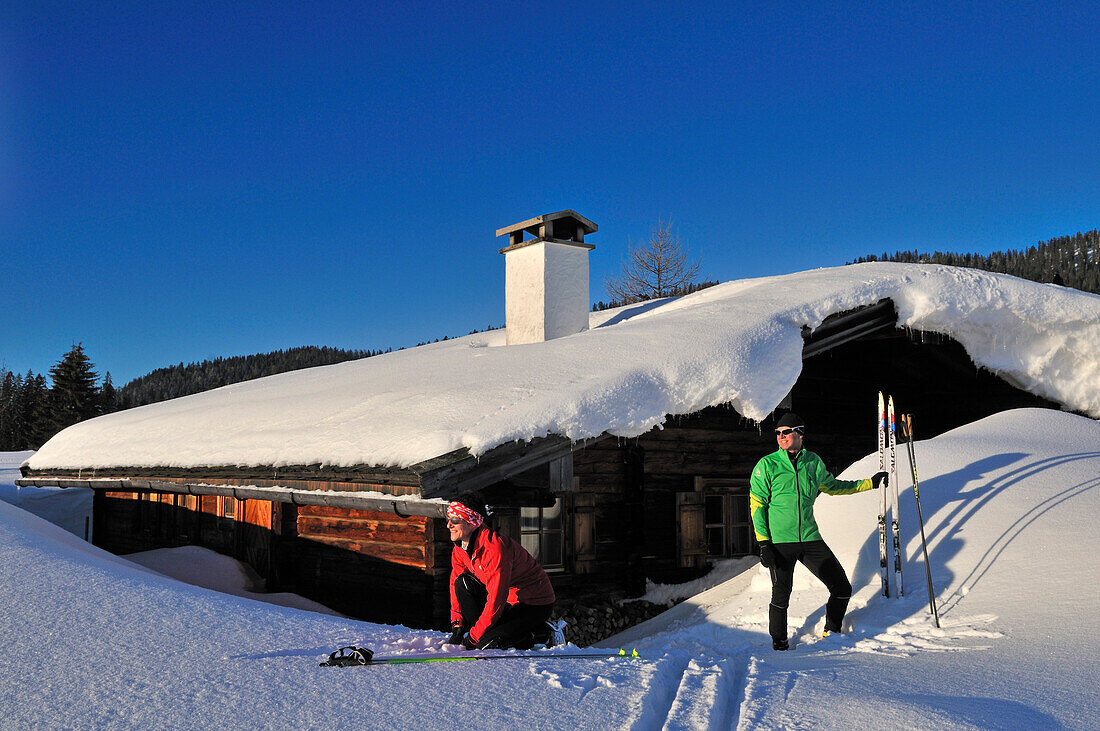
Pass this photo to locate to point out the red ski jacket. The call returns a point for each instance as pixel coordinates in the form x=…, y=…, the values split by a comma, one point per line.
x=510, y=574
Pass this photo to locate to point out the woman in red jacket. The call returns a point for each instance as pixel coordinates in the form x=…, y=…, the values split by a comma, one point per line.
x=499, y=592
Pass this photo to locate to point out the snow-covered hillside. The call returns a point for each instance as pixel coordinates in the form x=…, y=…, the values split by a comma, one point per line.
x=738, y=343
x=1011, y=505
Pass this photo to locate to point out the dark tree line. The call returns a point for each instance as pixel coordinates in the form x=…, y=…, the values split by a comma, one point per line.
x=674, y=292
x=1071, y=261
x=183, y=380
x=31, y=412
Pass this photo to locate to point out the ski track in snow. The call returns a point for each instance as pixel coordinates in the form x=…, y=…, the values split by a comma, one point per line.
x=703, y=698
x=715, y=681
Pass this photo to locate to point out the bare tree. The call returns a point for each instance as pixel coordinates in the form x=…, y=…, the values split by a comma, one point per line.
x=657, y=268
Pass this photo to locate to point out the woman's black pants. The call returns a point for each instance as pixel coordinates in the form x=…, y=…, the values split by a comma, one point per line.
x=520, y=625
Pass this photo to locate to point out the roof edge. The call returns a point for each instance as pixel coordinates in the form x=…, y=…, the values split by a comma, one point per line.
x=404, y=506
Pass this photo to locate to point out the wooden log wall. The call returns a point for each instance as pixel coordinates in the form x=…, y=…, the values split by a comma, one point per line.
x=374, y=565
x=930, y=377
x=716, y=442
x=371, y=564
x=606, y=542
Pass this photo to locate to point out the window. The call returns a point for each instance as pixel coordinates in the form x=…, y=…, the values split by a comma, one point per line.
x=728, y=525
x=541, y=533
x=230, y=510
x=726, y=522
x=715, y=511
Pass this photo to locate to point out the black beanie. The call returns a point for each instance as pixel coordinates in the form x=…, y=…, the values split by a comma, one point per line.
x=792, y=420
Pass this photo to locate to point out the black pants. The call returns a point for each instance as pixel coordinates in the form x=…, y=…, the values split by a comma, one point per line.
x=821, y=562
x=519, y=625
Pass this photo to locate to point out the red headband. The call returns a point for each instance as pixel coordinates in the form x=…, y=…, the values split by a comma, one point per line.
x=458, y=510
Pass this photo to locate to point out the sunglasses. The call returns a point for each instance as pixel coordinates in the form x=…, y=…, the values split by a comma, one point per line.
x=785, y=432
x=455, y=521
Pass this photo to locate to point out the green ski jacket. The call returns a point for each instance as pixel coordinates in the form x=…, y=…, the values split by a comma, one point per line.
x=782, y=494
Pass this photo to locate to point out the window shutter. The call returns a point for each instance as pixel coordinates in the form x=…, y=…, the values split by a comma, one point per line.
x=506, y=522
x=584, y=533
x=691, y=529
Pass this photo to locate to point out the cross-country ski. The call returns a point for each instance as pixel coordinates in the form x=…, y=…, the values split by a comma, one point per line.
x=895, y=518
x=351, y=656
x=883, y=558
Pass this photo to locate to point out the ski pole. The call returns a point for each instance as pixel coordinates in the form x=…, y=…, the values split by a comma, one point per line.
x=907, y=423
x=884, y=572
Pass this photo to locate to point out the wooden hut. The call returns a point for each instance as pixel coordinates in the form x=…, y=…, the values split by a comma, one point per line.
x=601, y=514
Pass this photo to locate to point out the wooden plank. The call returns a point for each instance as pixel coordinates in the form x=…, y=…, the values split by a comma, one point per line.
x=584, y=534
x=398, y=481
x=357, y=514
x=394, y=553
x=360, y=530
x=258, y=513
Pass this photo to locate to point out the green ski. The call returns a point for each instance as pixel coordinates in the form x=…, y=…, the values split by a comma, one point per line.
x=351, y=656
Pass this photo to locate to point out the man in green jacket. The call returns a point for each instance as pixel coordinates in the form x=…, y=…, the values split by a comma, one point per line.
x=783, y=488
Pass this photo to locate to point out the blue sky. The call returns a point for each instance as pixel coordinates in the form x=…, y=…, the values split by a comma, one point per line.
x=182, y=181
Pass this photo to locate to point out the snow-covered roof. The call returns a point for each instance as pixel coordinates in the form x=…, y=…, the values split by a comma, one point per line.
x=738, y=343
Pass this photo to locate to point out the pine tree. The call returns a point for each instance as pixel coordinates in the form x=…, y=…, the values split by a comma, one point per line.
x=74, y=396
x=1070, y=261
x=8, y=420
x=36, y=411
x=108, y=396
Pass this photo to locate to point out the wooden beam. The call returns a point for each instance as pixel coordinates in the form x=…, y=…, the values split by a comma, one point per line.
x=537, y=221
x=847, y=326
x=327, y=498
x=470, y=473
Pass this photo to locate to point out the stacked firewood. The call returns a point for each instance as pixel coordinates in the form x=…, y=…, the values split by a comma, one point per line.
x=590, y=621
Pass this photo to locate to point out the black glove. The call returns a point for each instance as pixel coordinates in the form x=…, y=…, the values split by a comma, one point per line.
x=469, y=644
x=457, y=635
x=880, y=479
x=767, y=554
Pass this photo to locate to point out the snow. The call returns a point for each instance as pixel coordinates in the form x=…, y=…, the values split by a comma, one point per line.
x=1011, y=505
x=200, y=566
x=71, y=508
x=737, y=343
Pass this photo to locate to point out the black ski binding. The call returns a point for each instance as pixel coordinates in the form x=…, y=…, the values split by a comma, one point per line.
x=349, y=657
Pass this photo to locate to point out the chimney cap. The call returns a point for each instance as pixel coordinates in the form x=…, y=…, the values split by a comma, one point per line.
x=564, y=227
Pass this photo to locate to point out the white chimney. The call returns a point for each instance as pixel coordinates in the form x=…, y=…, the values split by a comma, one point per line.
x=546, y=278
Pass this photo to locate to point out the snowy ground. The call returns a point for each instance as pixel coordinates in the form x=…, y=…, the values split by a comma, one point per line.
x=70, y=509
x=1011, y=505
